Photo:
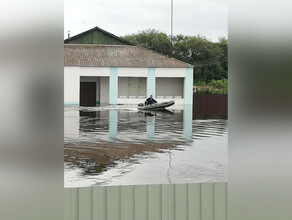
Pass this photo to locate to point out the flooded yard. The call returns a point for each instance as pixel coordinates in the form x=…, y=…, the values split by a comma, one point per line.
x=120, y=145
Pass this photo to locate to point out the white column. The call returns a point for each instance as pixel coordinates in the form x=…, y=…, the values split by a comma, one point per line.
x=188, y=86
x=113, y=86
x=151, y=82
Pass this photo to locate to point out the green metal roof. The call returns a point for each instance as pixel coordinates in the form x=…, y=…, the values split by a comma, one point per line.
x=96, y=35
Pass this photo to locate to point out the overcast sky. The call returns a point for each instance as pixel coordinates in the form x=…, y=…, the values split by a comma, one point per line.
x=191, y=17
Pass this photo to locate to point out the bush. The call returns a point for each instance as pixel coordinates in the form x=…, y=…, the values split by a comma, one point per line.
x=214, y=86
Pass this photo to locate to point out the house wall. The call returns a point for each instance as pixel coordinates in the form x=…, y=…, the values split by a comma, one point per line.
x=170, y=72
x=91, y=71
x=142, y=86
x=132, y=86
x=156, y=81
x=71, y=86
x=104, y=90
x=123, y=86
x=169, y=87
x=132, y=72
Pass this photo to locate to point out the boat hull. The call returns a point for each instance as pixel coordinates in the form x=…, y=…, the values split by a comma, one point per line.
x=157, y=106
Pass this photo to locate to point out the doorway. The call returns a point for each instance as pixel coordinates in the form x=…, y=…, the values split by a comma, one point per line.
x=87, y=93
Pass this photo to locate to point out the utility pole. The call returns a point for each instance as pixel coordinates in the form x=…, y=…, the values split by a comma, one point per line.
x=171, y=21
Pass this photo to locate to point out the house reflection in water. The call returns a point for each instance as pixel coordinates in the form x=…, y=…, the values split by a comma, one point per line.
x=123, y=125
x=126, y=125
x=150, y=127
x=106, y=136
x=113, y=125
x=188, y=122
x=99, y=139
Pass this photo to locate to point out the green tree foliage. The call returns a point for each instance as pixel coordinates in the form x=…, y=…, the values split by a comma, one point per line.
x=153, y=40
x=213, y=87
x=219, y=86
x=223, y=43
x=209, y=59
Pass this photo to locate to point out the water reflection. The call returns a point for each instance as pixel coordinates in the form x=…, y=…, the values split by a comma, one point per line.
x=113, y=124
x=121, y=145
x=169, y=166
x=150, y=127
x=188, y=122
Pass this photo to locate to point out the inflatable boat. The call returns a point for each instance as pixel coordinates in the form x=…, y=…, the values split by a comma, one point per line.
x=163, y=111
x=156, y=106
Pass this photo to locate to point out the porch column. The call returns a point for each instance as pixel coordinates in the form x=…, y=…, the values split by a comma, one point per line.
x=113, y=86
x=151, y=82
x=188, y=87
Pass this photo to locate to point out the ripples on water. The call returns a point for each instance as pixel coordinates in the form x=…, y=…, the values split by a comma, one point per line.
x=116, y=145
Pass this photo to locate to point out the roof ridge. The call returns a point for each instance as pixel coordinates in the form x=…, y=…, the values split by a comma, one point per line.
x=98, y=45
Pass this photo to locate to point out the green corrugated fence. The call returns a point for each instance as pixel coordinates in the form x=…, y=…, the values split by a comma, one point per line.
x=193, y=201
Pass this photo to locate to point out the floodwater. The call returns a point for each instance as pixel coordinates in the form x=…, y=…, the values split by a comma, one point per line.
x=119, y=145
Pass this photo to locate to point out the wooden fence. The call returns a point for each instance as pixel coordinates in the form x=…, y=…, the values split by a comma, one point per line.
x=194, y=201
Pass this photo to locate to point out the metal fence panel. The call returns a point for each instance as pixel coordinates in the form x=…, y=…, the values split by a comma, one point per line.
x=193, y=201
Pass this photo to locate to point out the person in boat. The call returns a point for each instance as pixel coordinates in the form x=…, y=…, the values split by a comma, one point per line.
x=150, y=100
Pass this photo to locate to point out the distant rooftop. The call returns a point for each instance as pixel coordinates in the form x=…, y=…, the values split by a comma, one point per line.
x=97, y=35
x=93, y=55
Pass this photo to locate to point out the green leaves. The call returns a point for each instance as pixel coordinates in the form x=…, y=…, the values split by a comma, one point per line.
x=213, y=87
x=209, y=59
x=153, y=40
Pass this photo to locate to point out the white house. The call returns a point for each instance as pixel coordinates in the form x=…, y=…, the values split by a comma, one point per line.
x=123, y=74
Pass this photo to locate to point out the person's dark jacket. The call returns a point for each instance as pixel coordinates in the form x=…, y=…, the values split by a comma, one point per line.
x=150, y=101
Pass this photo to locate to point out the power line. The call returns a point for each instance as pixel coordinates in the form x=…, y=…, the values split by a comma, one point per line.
x=214, y=58
x=171, y=20
x=207, y=64
x=210, y=63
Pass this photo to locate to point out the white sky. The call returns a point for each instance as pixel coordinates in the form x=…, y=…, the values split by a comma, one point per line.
x=191, y=17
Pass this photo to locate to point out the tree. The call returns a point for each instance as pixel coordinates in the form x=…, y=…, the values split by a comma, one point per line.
x=201, y=53
x=153, y=40
x=223, y=44
x=209, y=59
